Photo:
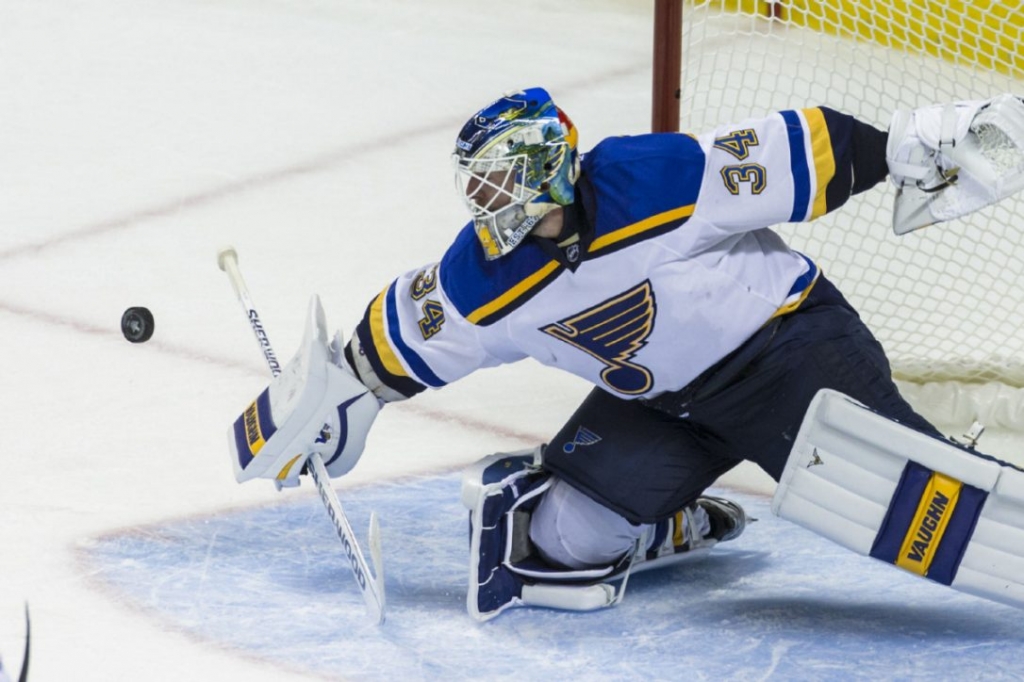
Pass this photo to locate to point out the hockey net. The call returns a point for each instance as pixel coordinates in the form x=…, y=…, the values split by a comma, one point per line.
x=947, y=302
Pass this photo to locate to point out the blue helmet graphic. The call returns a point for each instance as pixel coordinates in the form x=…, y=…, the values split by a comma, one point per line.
x=516, y=161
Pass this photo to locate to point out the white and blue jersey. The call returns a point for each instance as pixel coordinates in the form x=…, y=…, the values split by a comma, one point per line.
x=666, y=264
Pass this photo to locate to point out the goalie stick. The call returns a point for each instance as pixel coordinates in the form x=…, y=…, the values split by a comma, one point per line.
x=23, y=676
x=370, y=584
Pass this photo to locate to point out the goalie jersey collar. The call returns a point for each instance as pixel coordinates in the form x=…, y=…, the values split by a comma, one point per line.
x=486, y=291
x=571, y=245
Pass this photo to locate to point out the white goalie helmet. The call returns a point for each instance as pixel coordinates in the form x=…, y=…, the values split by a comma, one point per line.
x=515, y=162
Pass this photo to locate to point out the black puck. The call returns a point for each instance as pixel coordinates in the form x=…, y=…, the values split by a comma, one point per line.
x=137, y=324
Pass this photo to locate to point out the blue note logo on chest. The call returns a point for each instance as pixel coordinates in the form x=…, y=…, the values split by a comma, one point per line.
x=614, y=331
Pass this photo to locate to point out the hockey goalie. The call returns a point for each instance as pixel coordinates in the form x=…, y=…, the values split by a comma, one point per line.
x=648, y=267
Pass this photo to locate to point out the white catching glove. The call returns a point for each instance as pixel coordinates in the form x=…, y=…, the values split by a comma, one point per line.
x=314, y=405
x=950, y=160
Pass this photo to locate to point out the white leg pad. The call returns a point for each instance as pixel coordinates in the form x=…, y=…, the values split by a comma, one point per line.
x=887, y=491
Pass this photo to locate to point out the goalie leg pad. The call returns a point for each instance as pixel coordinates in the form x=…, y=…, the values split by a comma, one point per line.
x=906, y=498
x=502, y=493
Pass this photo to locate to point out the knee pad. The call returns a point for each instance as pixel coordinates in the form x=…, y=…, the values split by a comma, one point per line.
x=570, y=529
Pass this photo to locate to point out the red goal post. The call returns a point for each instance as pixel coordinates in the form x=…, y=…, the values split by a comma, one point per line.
x=668, y=27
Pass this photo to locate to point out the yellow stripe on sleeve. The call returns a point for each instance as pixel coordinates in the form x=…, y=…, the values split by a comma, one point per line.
x=380, y=340
x=524, y=286
x=787, y=308
x=512, y=294
x=645, y=224
x=824, y=161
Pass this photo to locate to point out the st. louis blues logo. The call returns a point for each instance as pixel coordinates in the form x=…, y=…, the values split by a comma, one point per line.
x=614, y=331
x=583, y=437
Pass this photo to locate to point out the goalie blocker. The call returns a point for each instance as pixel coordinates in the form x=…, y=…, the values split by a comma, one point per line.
x=927, y=506
x=314, y=405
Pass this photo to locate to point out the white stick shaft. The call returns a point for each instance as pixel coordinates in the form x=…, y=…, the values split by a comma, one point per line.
x=227, y=259
x=370, y=584
x=372, y=587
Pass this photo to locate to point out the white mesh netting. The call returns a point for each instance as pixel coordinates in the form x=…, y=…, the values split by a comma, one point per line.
x=947, y=302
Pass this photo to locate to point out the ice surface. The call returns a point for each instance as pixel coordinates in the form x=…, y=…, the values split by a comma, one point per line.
x=136, y=139
x=777, y=603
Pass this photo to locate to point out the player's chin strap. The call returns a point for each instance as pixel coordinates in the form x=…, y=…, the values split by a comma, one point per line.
x=950, y=160
x=928, y=506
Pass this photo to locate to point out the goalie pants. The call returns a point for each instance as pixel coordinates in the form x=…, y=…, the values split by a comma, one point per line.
x=646, y=459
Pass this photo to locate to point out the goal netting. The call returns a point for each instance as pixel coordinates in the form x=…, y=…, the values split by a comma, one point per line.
x=947, y=302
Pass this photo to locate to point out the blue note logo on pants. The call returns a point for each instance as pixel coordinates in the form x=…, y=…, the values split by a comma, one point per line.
x=583, y=437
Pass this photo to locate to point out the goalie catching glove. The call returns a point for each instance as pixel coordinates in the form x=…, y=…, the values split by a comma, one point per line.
x=315, y=405
x=950, y=160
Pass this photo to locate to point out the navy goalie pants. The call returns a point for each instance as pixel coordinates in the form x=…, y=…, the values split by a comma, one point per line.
x=646, y=459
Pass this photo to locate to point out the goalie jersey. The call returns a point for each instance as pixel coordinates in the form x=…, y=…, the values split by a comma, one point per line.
x=666, y=263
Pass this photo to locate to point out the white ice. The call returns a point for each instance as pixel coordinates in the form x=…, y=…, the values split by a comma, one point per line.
x=137, y=138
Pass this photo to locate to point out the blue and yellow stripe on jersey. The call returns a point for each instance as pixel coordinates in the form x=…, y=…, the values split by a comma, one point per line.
x=380, y=337
x=824, y=159
x=647, y=228
x=800, y=290
x=641, y=187
x=518, y=294
x=929, y=523
x=822, y=170
x=484, y=291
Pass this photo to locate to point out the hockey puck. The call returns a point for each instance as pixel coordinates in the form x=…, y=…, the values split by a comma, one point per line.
x=137, y=324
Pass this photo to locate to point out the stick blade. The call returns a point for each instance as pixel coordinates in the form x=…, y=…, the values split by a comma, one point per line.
x=378, y=564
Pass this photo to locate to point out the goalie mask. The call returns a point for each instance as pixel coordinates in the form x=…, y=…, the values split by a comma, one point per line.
x=515, y=161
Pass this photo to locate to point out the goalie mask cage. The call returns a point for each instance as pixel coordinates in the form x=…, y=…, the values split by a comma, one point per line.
x=947, y=302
